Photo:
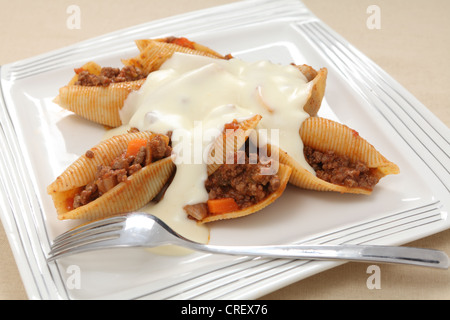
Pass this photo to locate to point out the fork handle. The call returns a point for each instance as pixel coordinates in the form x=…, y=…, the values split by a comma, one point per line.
x=362, y=253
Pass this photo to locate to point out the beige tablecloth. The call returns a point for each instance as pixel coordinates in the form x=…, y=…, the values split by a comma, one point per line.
x=412, y=44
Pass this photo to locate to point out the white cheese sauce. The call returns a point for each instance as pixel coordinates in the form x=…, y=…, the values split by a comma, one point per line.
x=194, y=97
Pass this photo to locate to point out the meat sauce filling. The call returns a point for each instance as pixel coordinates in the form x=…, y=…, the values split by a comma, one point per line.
x=123, y=166
x=242, y=182
x=340, y=170
x=108, y=75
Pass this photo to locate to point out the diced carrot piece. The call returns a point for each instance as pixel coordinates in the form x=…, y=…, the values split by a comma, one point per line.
x=134, y=146
x=234, y=125
x=78, y=70
x=219, y=206
x=183, y=42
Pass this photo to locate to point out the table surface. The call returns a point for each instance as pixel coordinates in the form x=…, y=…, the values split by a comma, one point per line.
x=412, y=45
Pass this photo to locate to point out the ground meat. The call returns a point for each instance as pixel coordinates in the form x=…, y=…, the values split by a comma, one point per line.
x=159, y=149
x=87, y=79
x=107, y=177
x=129, y=73
x=340, y=170
x=89, y=154
x=89, y=193
x=242, y=182
x=109, y=72
x=108, y=75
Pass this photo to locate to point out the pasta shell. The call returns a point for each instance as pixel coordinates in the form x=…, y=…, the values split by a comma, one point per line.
x=284, y=173
x=102, y=104
x=325, y=135
x=142, y=44
x=132, y=194
x=96, y=103
x=155, y=53
x=229, y=142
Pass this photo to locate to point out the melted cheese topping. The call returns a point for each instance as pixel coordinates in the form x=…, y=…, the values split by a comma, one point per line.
x=194, y=97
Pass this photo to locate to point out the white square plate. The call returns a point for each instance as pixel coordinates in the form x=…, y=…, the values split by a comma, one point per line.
x=39, y=140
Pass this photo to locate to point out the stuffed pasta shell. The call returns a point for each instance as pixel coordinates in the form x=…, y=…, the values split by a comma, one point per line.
x=341, y=159
x=240, y=181
x=153, y=53
x=240, y=189
x=118, y=175
x=98, y=93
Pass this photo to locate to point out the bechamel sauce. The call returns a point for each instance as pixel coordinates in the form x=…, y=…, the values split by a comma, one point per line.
x=190, y=95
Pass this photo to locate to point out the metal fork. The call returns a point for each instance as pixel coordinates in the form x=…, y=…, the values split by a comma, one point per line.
x=145, y=230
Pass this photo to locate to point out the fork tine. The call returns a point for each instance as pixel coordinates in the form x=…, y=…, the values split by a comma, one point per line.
x=89, y=225
x=84, y=244
x=83, y=237
x=87, y=234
